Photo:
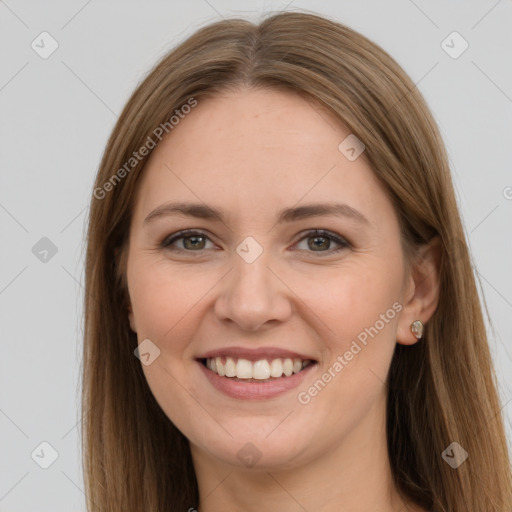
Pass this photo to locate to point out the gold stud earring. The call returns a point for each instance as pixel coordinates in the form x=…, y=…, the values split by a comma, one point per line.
x=417, y=328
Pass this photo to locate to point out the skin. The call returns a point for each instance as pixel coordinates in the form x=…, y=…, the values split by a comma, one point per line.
x=252, y=153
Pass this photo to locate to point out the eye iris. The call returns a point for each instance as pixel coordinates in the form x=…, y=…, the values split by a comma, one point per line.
x=324, y=245
x=194, y=244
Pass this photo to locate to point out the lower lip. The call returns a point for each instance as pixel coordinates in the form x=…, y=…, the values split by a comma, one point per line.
x=254, y=390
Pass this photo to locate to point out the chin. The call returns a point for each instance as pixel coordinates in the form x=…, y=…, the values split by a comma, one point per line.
x=255, y=449
x=259, y=457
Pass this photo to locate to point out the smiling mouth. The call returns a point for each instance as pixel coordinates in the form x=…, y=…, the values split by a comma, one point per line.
x=263, y=370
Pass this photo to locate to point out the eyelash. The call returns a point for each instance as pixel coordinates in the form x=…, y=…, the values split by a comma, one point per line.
x=310, y=234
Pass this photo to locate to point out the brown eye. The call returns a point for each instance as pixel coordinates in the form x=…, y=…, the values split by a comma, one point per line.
x=320, y=241
x=186, y=241
x=193, y=242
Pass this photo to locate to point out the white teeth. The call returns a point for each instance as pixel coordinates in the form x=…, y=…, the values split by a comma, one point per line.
x=288, y=367
x=260, y=370
x=230, y=367
x=220, y=367
x=276, y=368
x=244, y=369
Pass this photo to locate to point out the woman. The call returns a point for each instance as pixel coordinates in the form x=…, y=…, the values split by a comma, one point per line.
x=281, y=311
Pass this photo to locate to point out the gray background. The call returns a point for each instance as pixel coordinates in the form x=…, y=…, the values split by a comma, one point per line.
x=56, y=115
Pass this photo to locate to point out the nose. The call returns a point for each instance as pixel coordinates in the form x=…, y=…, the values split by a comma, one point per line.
x=252, y=295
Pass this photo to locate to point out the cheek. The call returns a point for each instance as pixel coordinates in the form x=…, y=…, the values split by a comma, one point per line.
x=163, y=300
x=352, y=299
x=360, y=307
x=163, y=304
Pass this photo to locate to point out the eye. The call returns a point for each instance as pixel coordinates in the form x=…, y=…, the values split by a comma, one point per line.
x=192, y=241
x=318, y=240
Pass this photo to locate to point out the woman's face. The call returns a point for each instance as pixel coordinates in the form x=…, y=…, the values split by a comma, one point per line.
x=261, y=286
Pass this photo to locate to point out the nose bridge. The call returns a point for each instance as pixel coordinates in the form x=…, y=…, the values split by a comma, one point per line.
x=252, y=295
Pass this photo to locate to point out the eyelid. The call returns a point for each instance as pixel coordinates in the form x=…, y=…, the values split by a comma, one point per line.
x=174, y=237
x=338, y=239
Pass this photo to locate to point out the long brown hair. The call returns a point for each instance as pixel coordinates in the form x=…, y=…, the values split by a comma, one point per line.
x=441, y=390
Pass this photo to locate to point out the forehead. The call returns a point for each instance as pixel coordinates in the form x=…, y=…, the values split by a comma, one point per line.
x=255, y=151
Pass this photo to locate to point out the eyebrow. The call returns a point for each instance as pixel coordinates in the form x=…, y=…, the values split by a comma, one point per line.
x=202, y=211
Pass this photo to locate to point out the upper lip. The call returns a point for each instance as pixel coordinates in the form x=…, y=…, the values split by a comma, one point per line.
x=254, y=354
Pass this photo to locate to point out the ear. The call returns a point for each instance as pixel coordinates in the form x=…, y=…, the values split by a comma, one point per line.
x=131, y=317
x=422, y=290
